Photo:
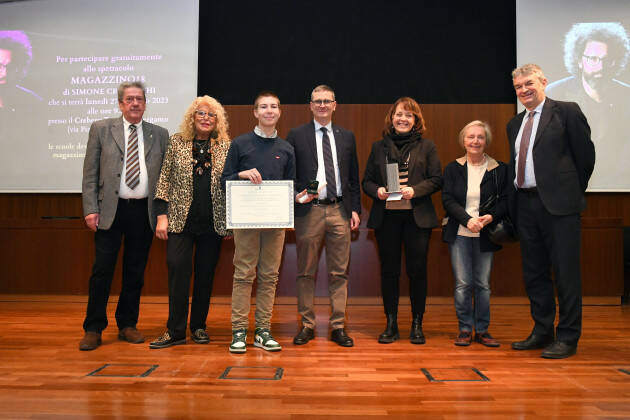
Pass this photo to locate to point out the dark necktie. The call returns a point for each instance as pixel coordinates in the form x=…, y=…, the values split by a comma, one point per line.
x=329, y=166
x=522, y=151
x=132, y=169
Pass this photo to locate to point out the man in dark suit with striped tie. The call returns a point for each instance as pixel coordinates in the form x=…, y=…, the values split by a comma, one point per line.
x=552, y=159
x=121, y=168
x=327, y=153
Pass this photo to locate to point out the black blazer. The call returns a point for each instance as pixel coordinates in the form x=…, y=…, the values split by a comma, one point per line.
x=454, y=198
x=425, y=177
x=302, y=139
x=563, y=154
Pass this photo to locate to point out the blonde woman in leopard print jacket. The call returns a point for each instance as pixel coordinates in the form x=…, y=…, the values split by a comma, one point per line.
x=191, y=214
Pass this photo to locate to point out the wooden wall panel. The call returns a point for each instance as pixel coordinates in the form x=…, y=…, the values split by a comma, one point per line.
x=47, y=250
x=55, y=257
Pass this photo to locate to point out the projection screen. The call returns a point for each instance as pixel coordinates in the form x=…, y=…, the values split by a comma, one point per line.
x=61, y=62
x=583, y=48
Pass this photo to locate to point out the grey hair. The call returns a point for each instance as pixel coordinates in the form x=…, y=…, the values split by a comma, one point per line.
x=127, y=85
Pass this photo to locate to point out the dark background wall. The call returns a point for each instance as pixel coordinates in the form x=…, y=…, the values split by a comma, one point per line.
x=454, y=57
x=371, y=52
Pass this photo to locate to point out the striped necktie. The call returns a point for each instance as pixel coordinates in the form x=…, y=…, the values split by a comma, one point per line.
x=329, y=166
x=132, y=170
x=522, y=152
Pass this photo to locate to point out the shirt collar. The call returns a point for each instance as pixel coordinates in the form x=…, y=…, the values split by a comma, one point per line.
x=539, y=108
x=126, y=124
x=318, y=126
x=258, y=131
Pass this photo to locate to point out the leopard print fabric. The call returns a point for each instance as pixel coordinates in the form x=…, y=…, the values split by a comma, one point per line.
x=176, y=182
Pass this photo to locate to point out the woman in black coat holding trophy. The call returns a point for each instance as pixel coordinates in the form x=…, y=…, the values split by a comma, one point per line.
x=402, y=211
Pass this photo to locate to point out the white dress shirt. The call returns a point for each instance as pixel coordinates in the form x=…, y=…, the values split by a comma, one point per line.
x=321, y=168
x=142, y=189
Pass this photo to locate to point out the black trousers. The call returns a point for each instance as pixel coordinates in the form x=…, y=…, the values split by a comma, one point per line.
x=179, y=255
x=131, y=224
x=399, y=227
x=551, y=242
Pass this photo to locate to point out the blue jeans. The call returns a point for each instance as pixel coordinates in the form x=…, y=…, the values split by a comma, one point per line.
x=471, y=269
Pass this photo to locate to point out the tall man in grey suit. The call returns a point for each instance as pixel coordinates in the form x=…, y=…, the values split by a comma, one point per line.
x=121, y=168
x=552, y=158
x=326, y=153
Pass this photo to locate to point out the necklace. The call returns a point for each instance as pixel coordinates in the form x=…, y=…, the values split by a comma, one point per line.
x=202, y=157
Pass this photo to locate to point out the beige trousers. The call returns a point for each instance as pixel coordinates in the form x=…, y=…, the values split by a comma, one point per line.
x=327, y=223
x=255, y=250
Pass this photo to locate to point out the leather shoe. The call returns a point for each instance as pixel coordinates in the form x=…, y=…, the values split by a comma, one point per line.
x=131, y=335
x=200, y=336
x=391, y=333
x=340, y=337
x=559, y=350
x=533, y=342
x=463, y=339
x=486, y=339
x=165, y=340
x=304, y=336
x=416, y=336
x=90, y=341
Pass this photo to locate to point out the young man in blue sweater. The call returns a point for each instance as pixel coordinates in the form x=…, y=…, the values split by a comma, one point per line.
x=256, y=156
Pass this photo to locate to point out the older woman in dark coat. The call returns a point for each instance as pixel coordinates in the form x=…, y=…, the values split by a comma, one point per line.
x=469, y=182
x=406, y=221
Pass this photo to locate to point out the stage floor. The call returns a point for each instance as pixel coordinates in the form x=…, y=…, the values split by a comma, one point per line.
x=44, y=375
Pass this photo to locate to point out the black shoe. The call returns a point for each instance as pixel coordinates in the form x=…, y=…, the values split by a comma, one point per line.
x=533, y=342
x=558, y=350
x=340, y=337
x=391, y=330
x=200, y=336
x=304, y=336
x=416, y=336
x=165, y=340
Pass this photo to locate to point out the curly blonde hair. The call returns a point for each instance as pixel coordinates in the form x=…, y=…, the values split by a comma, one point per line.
x=187, y=126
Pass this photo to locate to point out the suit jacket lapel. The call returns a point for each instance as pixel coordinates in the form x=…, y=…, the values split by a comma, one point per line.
x=339, y=146
x=117, y=131
x=545, y=118
x=147, y=134
x=516, y=127
x=312, y=143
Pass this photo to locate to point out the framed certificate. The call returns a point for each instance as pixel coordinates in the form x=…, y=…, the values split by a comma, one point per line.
x=256, y=206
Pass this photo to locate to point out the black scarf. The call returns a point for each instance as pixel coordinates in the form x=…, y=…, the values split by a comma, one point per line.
x=399, y=146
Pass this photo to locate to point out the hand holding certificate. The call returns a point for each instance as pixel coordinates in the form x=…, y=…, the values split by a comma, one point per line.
x=268, y=204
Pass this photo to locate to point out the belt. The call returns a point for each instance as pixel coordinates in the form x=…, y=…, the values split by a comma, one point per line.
x=532, y=190
x=132, y=201
x=327, y=201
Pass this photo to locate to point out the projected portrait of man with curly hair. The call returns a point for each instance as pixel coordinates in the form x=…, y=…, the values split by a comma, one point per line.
x=16, y=55
x=596, y=55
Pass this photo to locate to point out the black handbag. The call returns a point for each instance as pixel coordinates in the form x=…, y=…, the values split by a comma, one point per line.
x=499, y=231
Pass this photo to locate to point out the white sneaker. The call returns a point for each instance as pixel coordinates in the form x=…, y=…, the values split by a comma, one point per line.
x=238, y=344
x=264, y=340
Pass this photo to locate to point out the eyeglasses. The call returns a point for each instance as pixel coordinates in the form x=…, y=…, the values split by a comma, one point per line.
x=132, y=99
x=321, y=102
x=204, y=114
x=594, y=60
